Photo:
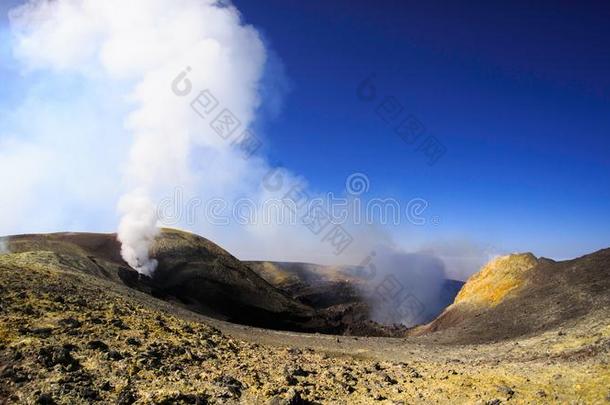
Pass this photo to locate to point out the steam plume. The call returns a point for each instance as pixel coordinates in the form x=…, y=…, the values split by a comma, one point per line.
x=402, y=287
x=140, y=50
x=137, y=231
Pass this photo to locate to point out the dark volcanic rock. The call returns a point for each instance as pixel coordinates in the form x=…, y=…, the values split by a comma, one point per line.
x=233, y=385
x=45, y=399
x=70, y=323
x=53, y=355
x=195, y=399
x=97, y=345
x=126, y=396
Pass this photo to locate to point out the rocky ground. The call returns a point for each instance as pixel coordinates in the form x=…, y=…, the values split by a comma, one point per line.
x=69, y=337
x=196, y=273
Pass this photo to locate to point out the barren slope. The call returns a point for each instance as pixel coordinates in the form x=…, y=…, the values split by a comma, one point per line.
x=192, y=271
x=72, y=332
x=520, y=295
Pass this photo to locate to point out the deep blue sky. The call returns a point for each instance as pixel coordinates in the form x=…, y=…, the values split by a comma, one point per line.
x=518, y=92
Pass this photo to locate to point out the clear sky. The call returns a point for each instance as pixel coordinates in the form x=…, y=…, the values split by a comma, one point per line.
x=518, y=92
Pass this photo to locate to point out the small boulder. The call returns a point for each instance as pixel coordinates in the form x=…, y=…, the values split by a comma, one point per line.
x=97, y=345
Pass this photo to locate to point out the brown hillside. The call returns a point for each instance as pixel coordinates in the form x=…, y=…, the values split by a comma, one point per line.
x=519, y=295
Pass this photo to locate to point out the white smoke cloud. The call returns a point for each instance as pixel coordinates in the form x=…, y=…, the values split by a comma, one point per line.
x=137, y=231
x=139, y=47
x=403, y=287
